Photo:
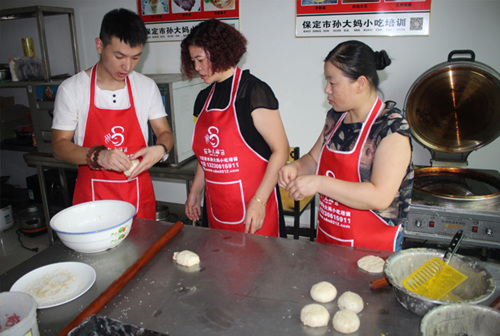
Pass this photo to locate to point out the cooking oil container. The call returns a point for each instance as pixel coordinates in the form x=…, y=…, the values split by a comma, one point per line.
x=28, y=48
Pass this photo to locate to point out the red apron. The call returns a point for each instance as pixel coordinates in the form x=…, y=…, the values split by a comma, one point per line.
x=114, y=129
x=233, y=170
x=340, y=224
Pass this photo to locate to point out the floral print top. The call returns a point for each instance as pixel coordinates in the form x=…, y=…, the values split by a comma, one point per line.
x=391, y=120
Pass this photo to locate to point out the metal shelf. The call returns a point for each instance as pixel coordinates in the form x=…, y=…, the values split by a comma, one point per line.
x=38, y=13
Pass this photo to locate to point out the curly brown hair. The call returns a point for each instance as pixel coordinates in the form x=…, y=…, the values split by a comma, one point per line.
x=223, y=44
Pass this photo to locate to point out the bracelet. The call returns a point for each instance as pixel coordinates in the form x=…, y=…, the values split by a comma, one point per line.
x=93, y=155
x=258, y=200
x=164, y=147
x=165, y=156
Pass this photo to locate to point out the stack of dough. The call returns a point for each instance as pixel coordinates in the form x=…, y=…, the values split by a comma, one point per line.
x=323, y=292
x=186, y=258
x=351, y=301
x=371, y=264
x=128, y=172
x=314, y=315
x=346, y=320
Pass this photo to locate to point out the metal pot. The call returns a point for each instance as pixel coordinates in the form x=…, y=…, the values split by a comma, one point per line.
x=455, y=186
x=478, y=287
x=460, y=319
x=162, y=212
x=32, y=221
x=4, y=74
x=454, y=107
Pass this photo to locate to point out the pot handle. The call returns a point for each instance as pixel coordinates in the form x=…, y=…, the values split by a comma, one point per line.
x=464, y=51
x=496, y=304
x=379, y=283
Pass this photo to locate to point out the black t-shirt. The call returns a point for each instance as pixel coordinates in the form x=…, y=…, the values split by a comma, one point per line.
x=252, y=94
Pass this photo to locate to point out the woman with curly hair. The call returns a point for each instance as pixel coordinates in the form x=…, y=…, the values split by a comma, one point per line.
x=239, y=138
x=361, y=164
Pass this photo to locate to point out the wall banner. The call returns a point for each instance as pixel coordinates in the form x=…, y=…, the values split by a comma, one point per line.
x=362, y=17
x=172, y=20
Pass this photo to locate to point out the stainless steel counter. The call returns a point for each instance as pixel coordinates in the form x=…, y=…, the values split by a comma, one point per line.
x=158, y=172
x=245, y=285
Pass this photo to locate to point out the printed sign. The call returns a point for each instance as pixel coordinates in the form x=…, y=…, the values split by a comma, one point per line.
x=362, y=17
x=172, y=20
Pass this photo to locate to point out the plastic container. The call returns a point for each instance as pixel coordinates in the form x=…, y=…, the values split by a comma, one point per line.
x=18, y=314
x=28, y=48
x=12, y=67
x=6, y=219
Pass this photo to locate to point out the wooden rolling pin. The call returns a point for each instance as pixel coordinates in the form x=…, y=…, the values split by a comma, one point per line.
x=119, y=283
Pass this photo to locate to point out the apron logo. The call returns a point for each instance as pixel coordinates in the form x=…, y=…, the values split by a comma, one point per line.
x=212, y=137
x=329, y=173
x=116, y=136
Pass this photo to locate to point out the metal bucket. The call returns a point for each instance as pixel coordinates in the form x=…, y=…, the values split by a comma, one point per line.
x=460, y=319
x=162, y=212
x=478, y=287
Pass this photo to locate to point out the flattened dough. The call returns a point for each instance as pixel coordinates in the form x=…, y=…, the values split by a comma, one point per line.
x=371, y=264
x=186, y=258
x=314, y=315
x=351, y=301
x=128, y=172
x=323, y=292
x=346, y=321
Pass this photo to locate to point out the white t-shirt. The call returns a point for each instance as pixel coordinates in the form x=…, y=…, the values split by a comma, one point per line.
x=73, y=99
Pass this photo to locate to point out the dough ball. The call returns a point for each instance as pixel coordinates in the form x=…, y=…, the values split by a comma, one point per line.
x=351, y=301
x=346, y=321
x=314, y=315
x=128, y=172
x=323, y=292
x=371, y=264
x=186, y=258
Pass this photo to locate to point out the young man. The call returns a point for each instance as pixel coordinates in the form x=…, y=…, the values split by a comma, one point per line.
x=101, y=119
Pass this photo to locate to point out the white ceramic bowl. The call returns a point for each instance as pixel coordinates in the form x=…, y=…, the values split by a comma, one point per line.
x=94, y=226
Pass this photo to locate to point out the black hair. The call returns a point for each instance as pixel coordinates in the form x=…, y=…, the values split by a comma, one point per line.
x=356, y=59
x=125, y=25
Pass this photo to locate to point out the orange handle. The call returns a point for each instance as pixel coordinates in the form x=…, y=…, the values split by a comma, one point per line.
x=496, y=304
x=379, y=283
x=119, y=283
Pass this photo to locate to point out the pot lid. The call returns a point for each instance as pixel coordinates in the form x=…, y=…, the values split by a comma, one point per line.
x=454, y=107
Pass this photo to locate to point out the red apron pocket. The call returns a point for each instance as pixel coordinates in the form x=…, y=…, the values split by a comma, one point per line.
x=125, y=190
x=226, y=201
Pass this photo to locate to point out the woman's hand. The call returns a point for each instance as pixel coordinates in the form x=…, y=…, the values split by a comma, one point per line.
x=287, y=174
x=256, y=212
x=192, y=206
x=303, y=186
